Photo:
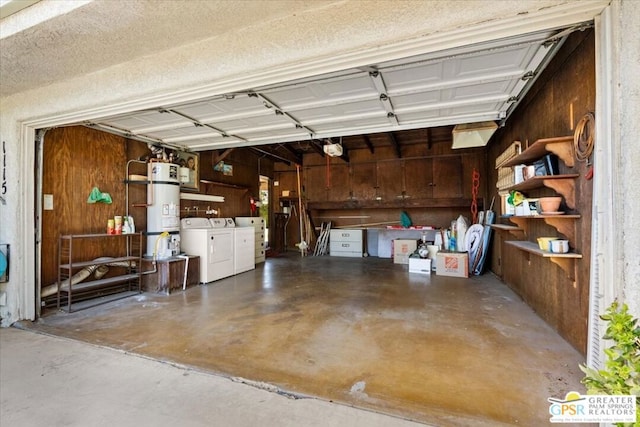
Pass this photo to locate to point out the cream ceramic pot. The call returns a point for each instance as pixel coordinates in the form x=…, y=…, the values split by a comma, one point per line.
x=559, y=246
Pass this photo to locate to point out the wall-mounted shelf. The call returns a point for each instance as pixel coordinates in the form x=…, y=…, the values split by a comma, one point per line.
x=565, y=224
x=201, y=197
x=506, y=227
x=561, y=184
x=564, y=261
x=225, y=184
x=534, y=249
x=391, y=204
x=513, y=229
x=560, y=146
x=183, y=196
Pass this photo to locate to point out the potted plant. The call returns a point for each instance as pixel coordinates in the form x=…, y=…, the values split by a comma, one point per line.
x=621, y=373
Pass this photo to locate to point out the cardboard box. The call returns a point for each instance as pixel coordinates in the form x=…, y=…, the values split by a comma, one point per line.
x=402, y=248
x=455, y=264
x=419, y=265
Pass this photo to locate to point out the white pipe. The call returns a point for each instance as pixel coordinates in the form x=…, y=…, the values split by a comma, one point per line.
x=186, y=267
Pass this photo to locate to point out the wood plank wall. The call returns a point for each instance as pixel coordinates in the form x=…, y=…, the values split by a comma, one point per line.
x=433, y=179
x=564, y=93
x=78, y=158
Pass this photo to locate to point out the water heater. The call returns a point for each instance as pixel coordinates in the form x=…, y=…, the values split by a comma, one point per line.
x=163, y=210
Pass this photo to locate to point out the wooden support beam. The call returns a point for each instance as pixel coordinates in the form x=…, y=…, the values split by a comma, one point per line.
x=284, y=156
x=369, y=144
x=217, y=158
x=290, y=150
x=395, y=144
x=317, y=147
x=345, y=154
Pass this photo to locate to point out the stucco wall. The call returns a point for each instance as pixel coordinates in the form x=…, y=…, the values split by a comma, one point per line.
x=628, y=91
x=332, y=36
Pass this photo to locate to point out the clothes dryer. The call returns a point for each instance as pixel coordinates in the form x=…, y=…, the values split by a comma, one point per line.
x=244, y=249
x=213, y=243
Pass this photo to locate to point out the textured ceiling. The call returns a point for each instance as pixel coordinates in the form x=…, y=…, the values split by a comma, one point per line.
x=472, y=83
x=98, y=34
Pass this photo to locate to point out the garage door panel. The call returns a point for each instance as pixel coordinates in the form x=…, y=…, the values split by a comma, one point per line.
x=465, y=84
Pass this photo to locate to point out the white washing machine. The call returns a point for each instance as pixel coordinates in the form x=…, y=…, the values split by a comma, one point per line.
x=212, y=242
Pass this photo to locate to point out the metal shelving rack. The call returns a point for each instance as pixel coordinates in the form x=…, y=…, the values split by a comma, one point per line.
x=93, y=291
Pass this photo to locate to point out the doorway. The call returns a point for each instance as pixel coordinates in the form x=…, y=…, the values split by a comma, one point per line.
x=263, y=208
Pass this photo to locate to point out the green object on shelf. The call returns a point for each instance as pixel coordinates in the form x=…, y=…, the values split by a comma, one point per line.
x=405, y=221
x=515, y=198
x=97, y=196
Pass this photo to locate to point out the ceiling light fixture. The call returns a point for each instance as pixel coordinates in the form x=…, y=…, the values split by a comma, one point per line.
x=473, y=134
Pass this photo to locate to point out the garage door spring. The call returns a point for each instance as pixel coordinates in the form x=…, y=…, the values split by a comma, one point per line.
x=475, y=186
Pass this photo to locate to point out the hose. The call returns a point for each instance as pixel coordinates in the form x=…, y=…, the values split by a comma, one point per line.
x=584, y=137
x=155, y=254
x=155, y=246
x=98, y=271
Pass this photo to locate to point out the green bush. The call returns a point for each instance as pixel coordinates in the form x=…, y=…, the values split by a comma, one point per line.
x=621, y=373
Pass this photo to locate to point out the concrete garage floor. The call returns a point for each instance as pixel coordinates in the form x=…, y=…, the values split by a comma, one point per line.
x=52, y=381
x=362, y=332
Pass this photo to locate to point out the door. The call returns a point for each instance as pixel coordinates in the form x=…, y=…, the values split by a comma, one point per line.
x=390, y=187
x=220, y=247
x=419, y=178
x=364, y=181
x=244, y=250
x=220, y=254
x=447, y=177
